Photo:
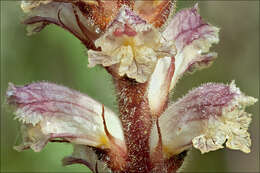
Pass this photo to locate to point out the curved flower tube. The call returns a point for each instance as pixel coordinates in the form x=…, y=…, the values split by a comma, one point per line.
x=206, y=118
x=54, y=113
x=147, y=49
x=193, y=37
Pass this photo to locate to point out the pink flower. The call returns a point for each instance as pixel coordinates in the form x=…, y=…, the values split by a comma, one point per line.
x=146, y=51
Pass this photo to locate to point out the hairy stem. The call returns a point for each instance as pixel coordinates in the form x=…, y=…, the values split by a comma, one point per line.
x=137, y=122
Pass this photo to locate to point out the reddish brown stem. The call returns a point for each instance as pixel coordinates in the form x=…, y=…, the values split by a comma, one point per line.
x=137, y=122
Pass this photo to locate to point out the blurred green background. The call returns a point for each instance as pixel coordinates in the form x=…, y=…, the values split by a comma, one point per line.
x=54, y=55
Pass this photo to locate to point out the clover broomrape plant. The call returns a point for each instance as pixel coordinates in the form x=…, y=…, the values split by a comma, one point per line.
x=147, y=47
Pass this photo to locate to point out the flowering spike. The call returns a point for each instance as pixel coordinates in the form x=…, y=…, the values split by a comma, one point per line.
x=146, y=50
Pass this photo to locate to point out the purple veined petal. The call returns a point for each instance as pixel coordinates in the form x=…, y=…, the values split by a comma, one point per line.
x=131, y=45
x=49, y=111
x=65, y=14
x=193, y=38
x=206, y=118
x=87, y=156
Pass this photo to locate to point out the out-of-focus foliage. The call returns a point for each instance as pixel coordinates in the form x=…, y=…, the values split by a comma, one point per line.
x=56, y=56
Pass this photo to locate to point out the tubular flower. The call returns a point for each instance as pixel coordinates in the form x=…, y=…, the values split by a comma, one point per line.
x=147, y=49
x=132, y=46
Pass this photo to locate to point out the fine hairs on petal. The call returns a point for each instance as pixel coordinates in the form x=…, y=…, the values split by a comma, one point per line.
x=23, y=114
x=207, y=117
x=193, y=38
x=27, y=118
x=50, y=111
x=230, y=128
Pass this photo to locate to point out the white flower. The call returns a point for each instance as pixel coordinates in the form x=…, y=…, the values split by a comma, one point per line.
x=206, y=118
x=132, y=46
